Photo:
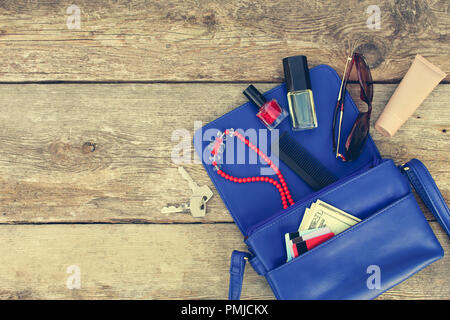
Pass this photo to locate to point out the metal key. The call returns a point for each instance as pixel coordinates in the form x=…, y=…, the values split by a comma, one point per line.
x=203, y=191
x=184, y=208
x=196, y=207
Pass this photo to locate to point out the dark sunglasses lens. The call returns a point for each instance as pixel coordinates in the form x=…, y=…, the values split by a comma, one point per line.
x=357, y=136
x=366, y=80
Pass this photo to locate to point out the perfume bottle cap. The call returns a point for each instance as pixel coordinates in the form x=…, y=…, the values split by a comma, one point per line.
x=254, y=96
x=296, y=73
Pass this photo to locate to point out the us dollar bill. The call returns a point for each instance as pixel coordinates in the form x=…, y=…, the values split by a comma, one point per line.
x=322, y=214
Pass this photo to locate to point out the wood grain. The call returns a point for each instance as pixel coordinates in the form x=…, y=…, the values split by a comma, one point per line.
x=200, y=40
x=102, y=152
x=151, y=262
x=85, y=164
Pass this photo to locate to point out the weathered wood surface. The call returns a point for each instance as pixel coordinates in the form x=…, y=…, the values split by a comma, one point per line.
x=85, y=167
x=102, y=152
x=151, y=261
x=218, y=40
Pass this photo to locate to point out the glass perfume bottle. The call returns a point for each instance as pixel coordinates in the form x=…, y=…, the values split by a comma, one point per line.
x=299, y=96
x=270, y=112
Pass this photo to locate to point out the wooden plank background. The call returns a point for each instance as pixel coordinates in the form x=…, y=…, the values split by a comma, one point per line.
x=222, y=40
x=91, y=118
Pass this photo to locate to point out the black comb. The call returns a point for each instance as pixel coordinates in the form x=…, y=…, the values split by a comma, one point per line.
x=302, y=163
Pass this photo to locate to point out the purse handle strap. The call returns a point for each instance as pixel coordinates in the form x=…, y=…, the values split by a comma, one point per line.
x=418, y=175
x=238, y=260
x=426, y=188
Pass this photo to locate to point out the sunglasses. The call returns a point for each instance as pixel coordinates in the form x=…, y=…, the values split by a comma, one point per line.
x=360, y=129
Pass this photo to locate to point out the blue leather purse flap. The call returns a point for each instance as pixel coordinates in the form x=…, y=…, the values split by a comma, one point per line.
x=251, y=203
x=363, y=261
x=393, y=237
x=361, y=196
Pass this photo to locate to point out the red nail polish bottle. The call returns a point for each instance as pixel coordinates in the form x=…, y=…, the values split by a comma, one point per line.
x=270, y=112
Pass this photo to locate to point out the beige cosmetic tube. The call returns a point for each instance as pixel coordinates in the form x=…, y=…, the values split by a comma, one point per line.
x=421, y=78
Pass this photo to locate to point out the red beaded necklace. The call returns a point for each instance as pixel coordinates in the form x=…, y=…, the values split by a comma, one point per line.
x=216, y=147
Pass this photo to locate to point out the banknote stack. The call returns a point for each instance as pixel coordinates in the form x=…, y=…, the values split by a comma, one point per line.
x=320, y=222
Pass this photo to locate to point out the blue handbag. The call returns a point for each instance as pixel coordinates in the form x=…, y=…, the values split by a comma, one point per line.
x=393, y=235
